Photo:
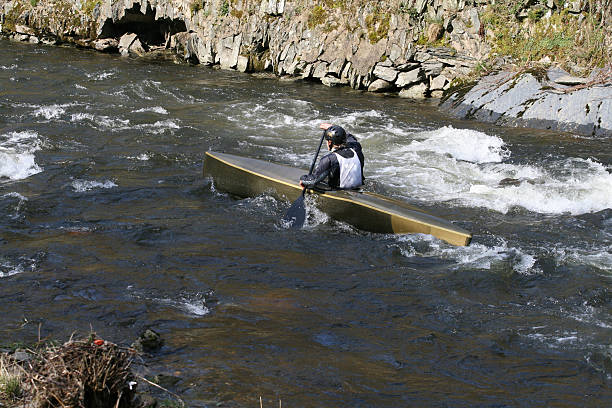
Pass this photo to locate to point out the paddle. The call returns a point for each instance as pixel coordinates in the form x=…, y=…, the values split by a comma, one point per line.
x=296, y=214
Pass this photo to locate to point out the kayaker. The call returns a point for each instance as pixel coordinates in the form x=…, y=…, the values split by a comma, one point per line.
x=343, y=167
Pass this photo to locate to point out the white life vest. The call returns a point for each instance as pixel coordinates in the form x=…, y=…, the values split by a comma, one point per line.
x=350, y=171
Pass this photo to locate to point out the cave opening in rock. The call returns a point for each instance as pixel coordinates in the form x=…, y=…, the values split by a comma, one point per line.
x=149, y=30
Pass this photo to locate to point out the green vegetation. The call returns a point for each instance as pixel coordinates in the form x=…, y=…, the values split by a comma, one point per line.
x=89, y=6
x=195, y=6
x=377, y=24
x=563, y=37
x=317, y=16
x=224, y=9
x=10, y=381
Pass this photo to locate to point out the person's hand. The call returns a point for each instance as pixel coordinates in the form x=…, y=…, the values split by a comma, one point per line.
x=324, y=126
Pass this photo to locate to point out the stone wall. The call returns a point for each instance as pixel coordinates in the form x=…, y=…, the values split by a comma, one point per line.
x=357, y=44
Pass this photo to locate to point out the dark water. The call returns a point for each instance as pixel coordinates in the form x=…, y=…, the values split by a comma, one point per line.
x=107, y=224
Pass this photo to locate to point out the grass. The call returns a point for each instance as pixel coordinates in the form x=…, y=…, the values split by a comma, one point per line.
x=10, y=381
x=565, y=38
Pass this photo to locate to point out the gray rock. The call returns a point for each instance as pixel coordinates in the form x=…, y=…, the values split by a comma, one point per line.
x=387, y=73
x=418, y=91
x=525, y=101
x=438, y=83
x=379, y=85
x=129, y=44
x=22, y=356
x=332, y=81
x=570, y=80
x=106, y=45
x=243, y=63
x=432, y=68
x=408, y=78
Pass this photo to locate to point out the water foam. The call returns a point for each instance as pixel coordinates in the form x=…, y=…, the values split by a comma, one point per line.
x=50, y=112
x=17, y=160
x=154, y=109
x=469, y=168
x=97, y=121
x=10, y=268
x=477, y=255
x=81, y=186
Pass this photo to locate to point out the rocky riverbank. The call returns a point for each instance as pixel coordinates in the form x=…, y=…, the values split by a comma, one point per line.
x=414, y=49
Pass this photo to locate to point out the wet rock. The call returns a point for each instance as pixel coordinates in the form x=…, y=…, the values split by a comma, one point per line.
x=144, y=401
x=106, y=45
x=418, y=91
x=166, y=380
x=332, y=81
x=379, y=85
x=148, y=341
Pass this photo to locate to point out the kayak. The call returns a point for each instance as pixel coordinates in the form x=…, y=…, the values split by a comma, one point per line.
x=368, y=211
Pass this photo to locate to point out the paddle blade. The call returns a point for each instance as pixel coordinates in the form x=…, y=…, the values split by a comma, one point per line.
x=296, y=214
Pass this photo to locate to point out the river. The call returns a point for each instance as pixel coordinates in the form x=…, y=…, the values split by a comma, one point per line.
x=107, y=224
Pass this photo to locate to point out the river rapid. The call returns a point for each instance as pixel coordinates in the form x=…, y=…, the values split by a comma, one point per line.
x=107, y=224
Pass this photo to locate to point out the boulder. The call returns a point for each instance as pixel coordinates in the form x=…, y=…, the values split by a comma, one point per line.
x=418, y=91
x=332, y=81
x=387, y=73
x=106, y=45
x=526, y=100
x=405, y=79
x=379, y=85
x=129, y=44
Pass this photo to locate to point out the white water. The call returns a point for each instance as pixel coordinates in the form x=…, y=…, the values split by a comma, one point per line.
x=456, y=166
x=81, y=186
x=17, y=160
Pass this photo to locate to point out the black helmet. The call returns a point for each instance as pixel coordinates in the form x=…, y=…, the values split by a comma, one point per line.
x=336, y=134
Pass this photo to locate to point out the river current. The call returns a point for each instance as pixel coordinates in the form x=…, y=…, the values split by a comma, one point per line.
x=107, y=224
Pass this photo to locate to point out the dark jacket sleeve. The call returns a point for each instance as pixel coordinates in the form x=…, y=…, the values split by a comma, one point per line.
x=321, y=172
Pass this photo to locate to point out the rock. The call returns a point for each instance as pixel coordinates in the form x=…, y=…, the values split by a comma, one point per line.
x=432, y=68
x=523, y=100
x=21, y=29
x=130, y=44
x=570, y=80
x=144, y=401
x=106, y=45
x=332, y=81
x=165, y=380
x=272, y=7
x=228, y=51
x=379, y=85
x=438, y=83
x=408, y=78
x=434, y=32
x=418, y=91
x=243, y=63
x=148, y=341
x=387, y=73
x=22, y=356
